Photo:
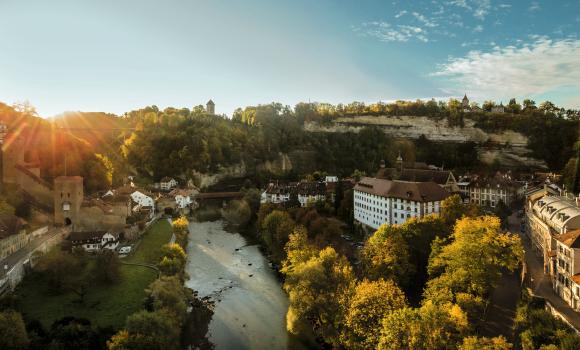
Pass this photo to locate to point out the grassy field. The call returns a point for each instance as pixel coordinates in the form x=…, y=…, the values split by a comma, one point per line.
x=103, y=305
x=148, y=250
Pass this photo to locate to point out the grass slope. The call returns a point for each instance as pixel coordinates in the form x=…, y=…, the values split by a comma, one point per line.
x=104, y=305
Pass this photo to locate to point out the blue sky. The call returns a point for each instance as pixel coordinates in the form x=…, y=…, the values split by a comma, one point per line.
x=115, y=56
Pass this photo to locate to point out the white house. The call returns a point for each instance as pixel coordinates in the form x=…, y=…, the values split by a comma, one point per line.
x=95, y=240
x=142, y=199
x=167, y=183
x=310, y=192
x=183, y=197
x=331, y=179
x=380, y=201
x=277, y=193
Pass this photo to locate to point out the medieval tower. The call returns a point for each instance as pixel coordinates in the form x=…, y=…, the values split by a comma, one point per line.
x=68, y=198
x=210, y=107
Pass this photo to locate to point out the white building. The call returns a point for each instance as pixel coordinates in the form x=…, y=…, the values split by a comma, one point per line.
x=143, y=202
x=380, y=201
x=95, y=240
x=566, y=281
x=309, y=192
x=331, y=179
x=277, y=193
x=167, y=183
x=183, y=197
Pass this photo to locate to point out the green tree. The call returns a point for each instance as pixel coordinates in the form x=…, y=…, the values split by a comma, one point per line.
x=106, y=269
x=169, y=294
x=13, y=335
x=238, y=212
x=371, y=301
x=276, y=229
x=147, y=330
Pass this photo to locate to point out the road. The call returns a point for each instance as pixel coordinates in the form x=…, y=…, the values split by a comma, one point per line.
x=540, y=283
x=8, y=263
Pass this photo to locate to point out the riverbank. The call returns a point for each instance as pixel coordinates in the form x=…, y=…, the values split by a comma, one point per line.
x=250, y=305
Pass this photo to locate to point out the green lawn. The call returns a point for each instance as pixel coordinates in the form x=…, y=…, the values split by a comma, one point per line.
x=103, y=305
x=148, y=250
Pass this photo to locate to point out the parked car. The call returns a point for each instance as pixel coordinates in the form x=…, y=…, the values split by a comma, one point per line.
x=125, y=250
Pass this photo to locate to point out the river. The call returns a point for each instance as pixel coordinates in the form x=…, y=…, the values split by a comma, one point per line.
x=250, y=305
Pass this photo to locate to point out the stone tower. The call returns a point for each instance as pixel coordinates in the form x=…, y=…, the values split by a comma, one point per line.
x=465, y=102
x=68, y=198
x=210, y=107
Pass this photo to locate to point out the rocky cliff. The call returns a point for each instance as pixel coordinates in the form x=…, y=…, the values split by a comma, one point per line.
x=508, y=147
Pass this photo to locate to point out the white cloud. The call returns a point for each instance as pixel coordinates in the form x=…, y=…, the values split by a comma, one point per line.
x=478, y=28
x=504, y=6
x=426, y=21
x=402, y=13
x=479, y=8
x=384, y=31
x=534, y=6
x=524, y=70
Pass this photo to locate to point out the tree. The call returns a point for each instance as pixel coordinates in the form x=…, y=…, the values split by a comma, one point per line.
x=431, y=327
x=63, y=270
x=173, y=260
x=502, y=211
x=147, y=330
x=238, y=212
x=315, y=288
x=13, y=334
x=168, y=294
x=483, y=343
x=371, y=301
x=276, y=229
x=180, y=229
x=452, y=209
x=473, y=261
x=386, y=255
x=73, y=333
x=106, y=269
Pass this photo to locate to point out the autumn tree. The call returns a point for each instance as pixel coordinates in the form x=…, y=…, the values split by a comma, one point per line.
x=370, y=302
x=386, y=255
x=276, y=228
x=173, y=260
x=483, y=343
x=315, y=285
x=168, y=294
x=474, y=260
x=430, y=327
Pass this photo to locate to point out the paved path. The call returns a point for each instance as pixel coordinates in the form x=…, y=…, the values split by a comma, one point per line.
x=8, y=263
x=540, y=283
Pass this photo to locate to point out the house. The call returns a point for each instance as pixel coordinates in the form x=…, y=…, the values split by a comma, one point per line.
x=167, y=183
x=94, y=241
x=143, y=202
x=330, y=179
x=489, y=191
x=183, y=197
x=277, y=192
x=379, y=201
x=13, y=236
x=566, y=281
x=309, y=192
x=498, y=109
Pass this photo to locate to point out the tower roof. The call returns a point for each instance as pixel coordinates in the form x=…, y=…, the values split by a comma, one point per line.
x=210, y=102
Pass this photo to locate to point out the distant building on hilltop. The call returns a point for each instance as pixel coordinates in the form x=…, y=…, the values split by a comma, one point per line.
x=210, y=107
x=498, y=109
x=465, y=104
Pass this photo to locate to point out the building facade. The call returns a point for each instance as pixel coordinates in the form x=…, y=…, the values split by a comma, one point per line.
x=489, y=191
x=566, y=281
x=380, y=201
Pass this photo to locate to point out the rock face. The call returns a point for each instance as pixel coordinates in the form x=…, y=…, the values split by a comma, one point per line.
x=510, y=147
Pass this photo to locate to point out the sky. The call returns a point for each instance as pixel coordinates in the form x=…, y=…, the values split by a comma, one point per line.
x=118, y=55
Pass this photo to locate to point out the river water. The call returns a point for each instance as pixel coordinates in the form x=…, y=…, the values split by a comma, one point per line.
x=250, y=305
